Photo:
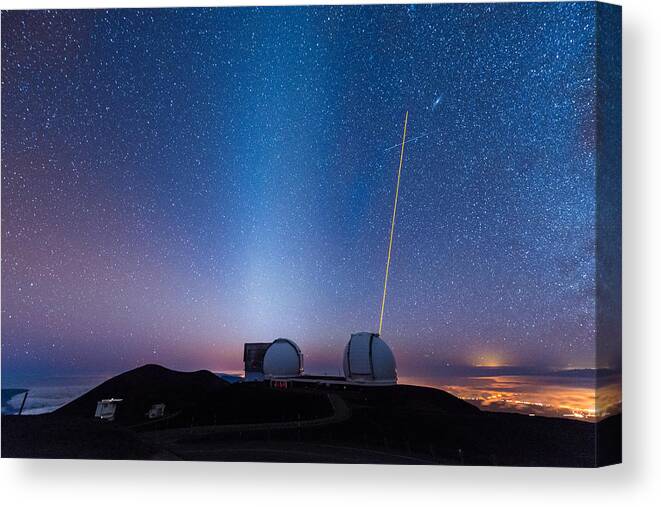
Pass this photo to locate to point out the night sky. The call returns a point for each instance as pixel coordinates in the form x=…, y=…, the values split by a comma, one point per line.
x=178, y=182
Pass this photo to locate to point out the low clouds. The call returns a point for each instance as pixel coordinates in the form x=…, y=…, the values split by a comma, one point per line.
x=43, y=399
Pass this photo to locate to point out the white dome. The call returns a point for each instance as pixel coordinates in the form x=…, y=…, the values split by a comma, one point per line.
x=283, y=358
x=367, y=358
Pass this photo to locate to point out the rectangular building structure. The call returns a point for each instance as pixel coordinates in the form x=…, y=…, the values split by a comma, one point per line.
x=253, y=360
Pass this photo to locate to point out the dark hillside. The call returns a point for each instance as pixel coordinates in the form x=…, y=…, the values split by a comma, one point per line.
x=209, y=419
x=144, y=386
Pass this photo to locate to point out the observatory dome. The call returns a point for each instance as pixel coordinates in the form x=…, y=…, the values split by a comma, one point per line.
x=367, y=358
x=283, y=358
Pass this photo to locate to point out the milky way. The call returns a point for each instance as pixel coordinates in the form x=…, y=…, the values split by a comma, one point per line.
x=177, y=182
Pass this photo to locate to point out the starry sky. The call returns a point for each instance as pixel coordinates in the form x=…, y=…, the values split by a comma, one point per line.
x=176, y=182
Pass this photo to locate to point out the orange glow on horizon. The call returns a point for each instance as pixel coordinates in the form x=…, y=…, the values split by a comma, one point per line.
x=490, y=361
x=541, y=396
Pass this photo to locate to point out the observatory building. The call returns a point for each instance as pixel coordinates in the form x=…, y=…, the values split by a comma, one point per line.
x=283, y=359
x=368, y=359
x=277, y=360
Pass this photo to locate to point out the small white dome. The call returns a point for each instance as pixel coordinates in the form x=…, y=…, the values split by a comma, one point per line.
x=367, y=358
x=283, y=358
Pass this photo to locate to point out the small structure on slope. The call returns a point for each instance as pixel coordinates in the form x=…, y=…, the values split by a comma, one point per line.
x=157, y=410
x=106, y=409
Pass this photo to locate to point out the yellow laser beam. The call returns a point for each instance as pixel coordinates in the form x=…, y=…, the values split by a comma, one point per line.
x=392, y=222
